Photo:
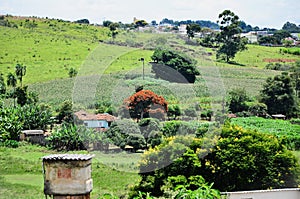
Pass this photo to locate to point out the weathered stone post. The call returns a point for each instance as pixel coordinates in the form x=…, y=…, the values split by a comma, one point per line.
x=68, y=176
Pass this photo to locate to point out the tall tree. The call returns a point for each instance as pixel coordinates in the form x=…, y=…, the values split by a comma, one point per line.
x=191, y=29
x=20, y=72
x=2, y=85
x=12, y=81
x=142, y=102
x=237, y=100
x=291, y=27
x=229, y=37
x=278, y=94
x=113, y=27
x=140, y=23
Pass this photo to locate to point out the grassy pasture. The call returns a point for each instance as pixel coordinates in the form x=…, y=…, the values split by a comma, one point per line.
x=120, y=65
x=254, y=56
x=46, y=58
x=129, y=61
x=49, y=50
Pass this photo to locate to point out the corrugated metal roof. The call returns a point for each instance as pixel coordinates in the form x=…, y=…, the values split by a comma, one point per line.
x=68, y=157
x=261, y=191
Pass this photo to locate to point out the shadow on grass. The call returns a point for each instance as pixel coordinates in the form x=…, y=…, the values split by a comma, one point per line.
x=235, y=63
x=231, y=63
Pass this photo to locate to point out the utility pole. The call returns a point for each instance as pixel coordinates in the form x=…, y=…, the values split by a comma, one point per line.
x=143, y=60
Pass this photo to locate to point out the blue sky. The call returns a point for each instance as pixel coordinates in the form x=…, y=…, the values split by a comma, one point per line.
x=262, y=13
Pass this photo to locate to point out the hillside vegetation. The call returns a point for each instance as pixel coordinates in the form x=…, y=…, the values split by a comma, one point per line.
x=50, y=48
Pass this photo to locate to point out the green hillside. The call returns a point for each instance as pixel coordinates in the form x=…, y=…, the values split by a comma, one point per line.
x=49, y=48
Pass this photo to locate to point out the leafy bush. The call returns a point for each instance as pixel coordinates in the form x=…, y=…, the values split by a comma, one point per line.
x=293, y=51
x=10, y=124
x=120, y=130
x=174, y=111
x=236, y=159
x=278, y=66
x=137, y=141
x=173, y=128
x=147, y=125
x=9, y=143
x=36, y=116
x=69, y=137
x=237, y=100
x=190, y=112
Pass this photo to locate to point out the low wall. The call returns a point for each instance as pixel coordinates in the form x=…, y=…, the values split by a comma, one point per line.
x=292, y=193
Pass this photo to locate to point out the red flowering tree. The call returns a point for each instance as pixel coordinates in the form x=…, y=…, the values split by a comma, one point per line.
x=145, y=104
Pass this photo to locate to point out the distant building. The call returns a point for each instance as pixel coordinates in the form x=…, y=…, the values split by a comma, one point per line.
x=98, y=121
x=296, y=36
x=251, y=36
x=262, y=33
x=182, y=29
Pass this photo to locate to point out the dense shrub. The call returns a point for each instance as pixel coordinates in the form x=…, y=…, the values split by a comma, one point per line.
x=173, y=128
x=120, y=130
x=71, y=137
x=237, y=100
x=293, y=51
x=279, y=66
x=174, y=66
x=66, y=138
x=233, y=159
x=10, y=124
x=147, y=125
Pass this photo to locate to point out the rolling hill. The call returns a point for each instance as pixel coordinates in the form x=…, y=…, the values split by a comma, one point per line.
x=106, y=71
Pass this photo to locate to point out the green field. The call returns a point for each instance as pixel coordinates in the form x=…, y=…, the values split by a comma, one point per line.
x=283, y=129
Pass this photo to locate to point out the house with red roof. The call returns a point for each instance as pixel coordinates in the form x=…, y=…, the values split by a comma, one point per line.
x=98, y=121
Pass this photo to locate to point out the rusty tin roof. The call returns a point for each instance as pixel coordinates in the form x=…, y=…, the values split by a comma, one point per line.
x=68, y=157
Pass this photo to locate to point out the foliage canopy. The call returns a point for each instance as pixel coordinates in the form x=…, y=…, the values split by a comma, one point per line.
x=236, y=159
x=145, y=103
x=229, y=38
x=174, y=66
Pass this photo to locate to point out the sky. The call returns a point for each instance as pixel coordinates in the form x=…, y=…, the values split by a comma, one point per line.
x=261, y=13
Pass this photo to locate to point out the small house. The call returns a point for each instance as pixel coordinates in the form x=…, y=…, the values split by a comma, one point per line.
x=97, y=121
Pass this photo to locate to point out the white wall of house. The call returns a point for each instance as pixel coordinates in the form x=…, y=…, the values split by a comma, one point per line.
x=96, y=123
x=293, y=193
